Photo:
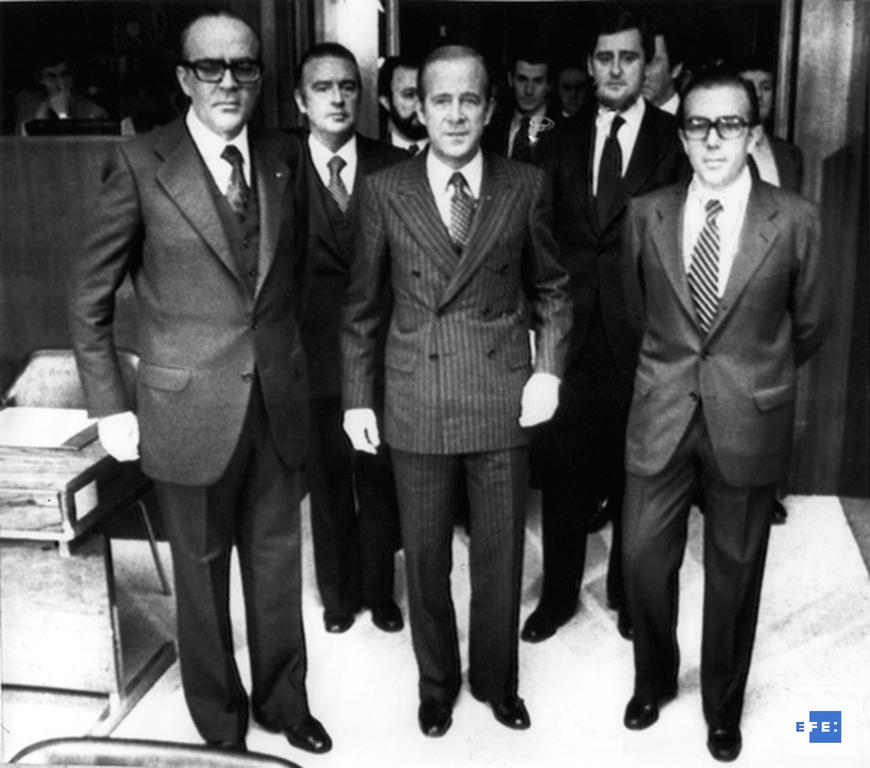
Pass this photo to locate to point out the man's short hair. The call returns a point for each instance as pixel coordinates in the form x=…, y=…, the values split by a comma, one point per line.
x=324, y=51
x=619, y=20
x=390, y=65
x=531, y=56
x=674, y=37
x=452, y=53
x=218, y=14
x=716, y=77
x=755, y=63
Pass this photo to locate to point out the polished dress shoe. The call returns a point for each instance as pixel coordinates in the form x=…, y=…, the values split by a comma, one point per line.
x=434, y=718
x=543, y=623
x=228, y=745
x=623, y=624
x=512, y=713
x=337, y=621
x=641, y=712
x=779, y=513
x=309, y=735
x=388, y=618
x=724, y=743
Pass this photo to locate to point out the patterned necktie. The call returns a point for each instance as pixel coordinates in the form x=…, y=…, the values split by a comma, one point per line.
x=336, y=185
x=461, y=211
x=238, y=192
x=609, y=172
x=704, y=268
x=522, y=149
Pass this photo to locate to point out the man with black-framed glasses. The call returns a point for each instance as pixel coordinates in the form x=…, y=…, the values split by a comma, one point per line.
x=730, y=296
x=207, y=216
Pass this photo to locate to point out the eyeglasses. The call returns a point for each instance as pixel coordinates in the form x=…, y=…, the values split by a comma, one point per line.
x=212, y=70
x=730, y=127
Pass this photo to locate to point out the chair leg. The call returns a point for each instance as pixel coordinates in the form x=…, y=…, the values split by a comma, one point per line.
x=152, y=542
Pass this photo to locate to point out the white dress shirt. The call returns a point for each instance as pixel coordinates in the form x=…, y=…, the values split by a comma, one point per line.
x=210, y=146
x=763, y=156
x=730, y=221
x=627, y=135
x=321, y=155
x=439, y=175
x=397, y=140
x=671, y=105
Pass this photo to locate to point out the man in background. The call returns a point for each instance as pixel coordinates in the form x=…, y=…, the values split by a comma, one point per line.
x=663, y=72
x=397, y=95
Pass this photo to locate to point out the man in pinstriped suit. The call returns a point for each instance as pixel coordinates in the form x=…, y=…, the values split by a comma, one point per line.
x=463, y=240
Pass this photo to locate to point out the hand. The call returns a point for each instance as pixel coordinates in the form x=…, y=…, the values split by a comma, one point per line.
x=119, y=434
x=361, y=426
x=539, y=400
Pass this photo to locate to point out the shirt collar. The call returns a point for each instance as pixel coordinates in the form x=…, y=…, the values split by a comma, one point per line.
x=439, y=173
x=321, y=155
x=733, y=197
x=397, y=140
x=632, y=116
x=210, y=145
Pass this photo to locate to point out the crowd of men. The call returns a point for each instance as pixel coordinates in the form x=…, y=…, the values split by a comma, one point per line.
x=326, y=311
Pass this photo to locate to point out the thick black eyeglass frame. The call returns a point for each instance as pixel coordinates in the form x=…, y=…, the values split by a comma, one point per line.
x=728, y=127
x=241, y=69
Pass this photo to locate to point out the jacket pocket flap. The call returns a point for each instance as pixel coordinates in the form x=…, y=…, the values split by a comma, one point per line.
x=767, y=399
x=164, y=377
x=400, y=359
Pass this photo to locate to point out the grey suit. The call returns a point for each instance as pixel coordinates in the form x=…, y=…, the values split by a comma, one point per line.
x=457, y=357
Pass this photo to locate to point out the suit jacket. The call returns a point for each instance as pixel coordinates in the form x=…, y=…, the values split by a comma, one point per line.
x=772, y=317
x=204, y=336
x=457, y=349
x=789, y=162
x=330, y=255
x=591, y=251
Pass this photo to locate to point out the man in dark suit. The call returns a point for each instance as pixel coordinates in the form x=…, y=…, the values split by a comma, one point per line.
x=462, y=240
x=578, y=456
x=354, y=543
x=725, y=279
x=520, y=130
x=205, y=216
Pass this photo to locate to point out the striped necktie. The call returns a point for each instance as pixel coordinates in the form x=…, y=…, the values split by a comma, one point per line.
x=704, y=268
x=522, y=149
x=461, y=211
x=336, y=185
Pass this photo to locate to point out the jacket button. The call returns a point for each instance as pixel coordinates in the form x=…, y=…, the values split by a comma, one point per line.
x=433, y=356
x=247, y=376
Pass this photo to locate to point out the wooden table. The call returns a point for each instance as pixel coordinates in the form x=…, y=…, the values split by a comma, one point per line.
x=62, y=624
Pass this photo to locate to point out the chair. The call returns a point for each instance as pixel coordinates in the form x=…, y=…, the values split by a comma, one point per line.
x=50, y=379
x=138, y=752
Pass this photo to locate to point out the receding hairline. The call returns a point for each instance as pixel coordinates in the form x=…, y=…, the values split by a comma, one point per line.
x=452, y=53
x=187, y=32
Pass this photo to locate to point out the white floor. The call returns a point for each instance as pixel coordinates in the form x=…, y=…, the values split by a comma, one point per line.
x=812, y=653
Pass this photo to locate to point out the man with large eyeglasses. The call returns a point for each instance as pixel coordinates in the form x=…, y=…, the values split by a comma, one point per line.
x=727, y=281
x=206, y=217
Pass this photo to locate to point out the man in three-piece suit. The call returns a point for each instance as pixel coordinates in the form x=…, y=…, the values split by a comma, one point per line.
x=727, y=284
x=354, y=542
x=620, y=146
x=462, y=240
x=205, y=216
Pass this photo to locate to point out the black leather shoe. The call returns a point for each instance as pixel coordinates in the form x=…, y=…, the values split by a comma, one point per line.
x=337, y=621
x=512, y=713
x=228, y=745
x=724, y=743
x=623, y=624
x=642, y=712
x=309, y=735
x=542, y=624
x=388, y=618
x=434, y=718
x=779, y=513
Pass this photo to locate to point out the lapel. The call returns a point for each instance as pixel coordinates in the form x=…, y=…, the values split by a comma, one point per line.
x=756, y=238
x=667, y=234
x=272, y=176
x=185, y=179
x=496, y=202
x=415, y=206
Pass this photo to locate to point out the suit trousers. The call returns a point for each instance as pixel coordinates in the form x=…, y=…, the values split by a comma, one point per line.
x=354, y=515
x=736, y=528
x=254, y=506
x=427, y=487
x=579, y=460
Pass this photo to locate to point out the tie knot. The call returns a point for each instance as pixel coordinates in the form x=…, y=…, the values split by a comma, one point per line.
x=457, y=181
x=413, y=149
x=713, y=208
x=335, y=164
x=233, y=156
x=615, y=125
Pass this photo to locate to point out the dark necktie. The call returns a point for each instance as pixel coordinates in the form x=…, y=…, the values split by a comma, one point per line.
x=522, y=149
x=704, y=268
x=413, y=149
x=336, y=185
x=238, y=192
x=609, y=172
x=461, y=211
